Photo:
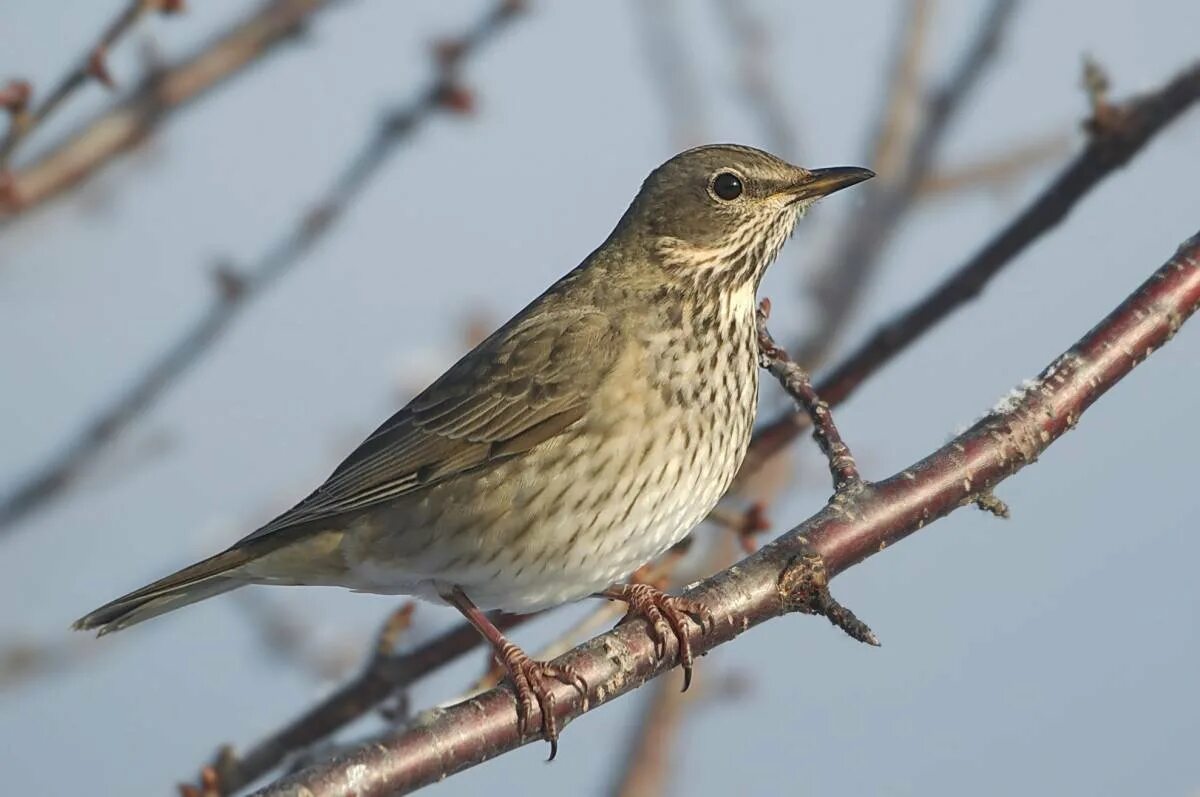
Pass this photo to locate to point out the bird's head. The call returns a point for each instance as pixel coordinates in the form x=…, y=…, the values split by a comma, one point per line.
x=723, y=211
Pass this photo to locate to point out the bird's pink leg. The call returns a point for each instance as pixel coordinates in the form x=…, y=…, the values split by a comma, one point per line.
x=528, y=676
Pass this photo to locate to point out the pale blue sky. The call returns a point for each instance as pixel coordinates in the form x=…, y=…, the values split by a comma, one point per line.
x=1051, y=654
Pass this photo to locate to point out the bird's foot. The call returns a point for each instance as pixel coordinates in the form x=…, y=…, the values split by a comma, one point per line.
x=667, y=616
x=529, y=679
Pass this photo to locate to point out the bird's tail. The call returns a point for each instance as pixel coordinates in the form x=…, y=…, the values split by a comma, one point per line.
x=204, y=579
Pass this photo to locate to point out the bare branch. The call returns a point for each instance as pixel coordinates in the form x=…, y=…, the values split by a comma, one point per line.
x=236, y=288
x=791, y=573
x=998, y=170
x=91, y=67
x=1111, y=146
x=838, y=283
x=165, y=89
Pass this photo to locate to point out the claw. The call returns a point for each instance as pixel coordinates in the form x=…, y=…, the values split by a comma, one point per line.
x=667, y=616
x=529, y=678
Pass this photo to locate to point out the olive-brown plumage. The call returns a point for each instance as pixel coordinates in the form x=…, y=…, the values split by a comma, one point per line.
x=579, y=441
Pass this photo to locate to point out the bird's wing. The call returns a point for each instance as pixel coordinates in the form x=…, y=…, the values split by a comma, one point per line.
x=524, y=385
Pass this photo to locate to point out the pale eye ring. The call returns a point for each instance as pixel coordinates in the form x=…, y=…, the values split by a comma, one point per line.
x=727, y=186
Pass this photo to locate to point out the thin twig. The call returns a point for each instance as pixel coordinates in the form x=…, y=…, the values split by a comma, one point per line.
x=792, y=573
x=796, y=383
x=839, y=281
x=91, y=66
x=236, y=288
x=1132, y=124
x=165, y=89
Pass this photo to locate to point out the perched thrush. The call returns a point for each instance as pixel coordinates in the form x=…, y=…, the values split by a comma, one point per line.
x=579, y=441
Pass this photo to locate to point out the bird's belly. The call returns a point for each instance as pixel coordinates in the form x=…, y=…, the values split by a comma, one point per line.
x=559, y=524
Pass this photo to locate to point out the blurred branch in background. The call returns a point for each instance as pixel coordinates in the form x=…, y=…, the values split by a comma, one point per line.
x=165, y=89
x=22, y=659
x=755, y=75
x=996, y=171
x=902, y=162
x=1117, y=132
x=287, y=637
x=235, y=287
x=672, y=72
x=647, y=767
x=791, y=574
x=92, y=66
x=896, y=126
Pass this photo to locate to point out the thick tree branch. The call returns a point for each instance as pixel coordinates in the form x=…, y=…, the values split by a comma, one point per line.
x=791, y=574
x=166, y=89
x=1126, y=128
x=236, y=288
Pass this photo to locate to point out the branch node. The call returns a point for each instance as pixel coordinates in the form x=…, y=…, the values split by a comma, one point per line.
x=455, y=97
x=210, y=785
x=14, y=98
x=448, y=52
x=97, y=67
x=1107, y=121
x=231, y=284
x=988, y=502
x=743, y=525
x=10, y=198
x=804, y=587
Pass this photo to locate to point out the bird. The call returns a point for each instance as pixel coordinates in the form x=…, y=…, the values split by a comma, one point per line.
x=581, y=440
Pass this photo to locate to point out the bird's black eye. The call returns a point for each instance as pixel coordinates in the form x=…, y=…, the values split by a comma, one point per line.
x=727, y=186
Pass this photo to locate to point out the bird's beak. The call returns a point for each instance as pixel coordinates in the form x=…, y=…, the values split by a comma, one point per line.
x=823, y=182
